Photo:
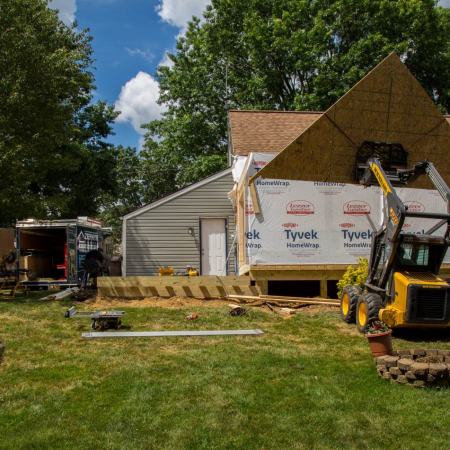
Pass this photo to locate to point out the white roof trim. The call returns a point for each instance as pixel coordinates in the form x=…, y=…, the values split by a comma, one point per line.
x=176, y=194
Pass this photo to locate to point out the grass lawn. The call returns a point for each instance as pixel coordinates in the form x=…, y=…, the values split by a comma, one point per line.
x=308, y=383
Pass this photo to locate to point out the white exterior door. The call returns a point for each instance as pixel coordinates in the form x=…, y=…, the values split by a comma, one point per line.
x=213, y=243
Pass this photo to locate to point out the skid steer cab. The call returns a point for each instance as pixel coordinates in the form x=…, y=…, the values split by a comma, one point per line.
x=403, y=286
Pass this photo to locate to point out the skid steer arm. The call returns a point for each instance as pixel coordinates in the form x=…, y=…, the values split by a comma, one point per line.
x=395, y=212
x=394, y=217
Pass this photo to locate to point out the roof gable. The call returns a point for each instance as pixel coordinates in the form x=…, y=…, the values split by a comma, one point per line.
x=177, y=194
x=387, y=105
x=266, y=131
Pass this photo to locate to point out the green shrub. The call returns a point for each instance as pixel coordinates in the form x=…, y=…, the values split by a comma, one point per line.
x=354, y=275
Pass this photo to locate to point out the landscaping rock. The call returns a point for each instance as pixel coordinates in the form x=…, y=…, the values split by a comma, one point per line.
x=391, y=361
x=438, y=370
x=395, y=371
x=430, y=359
x=405, y=364
x=431, y=378
x=381, y=359
x=419, y=369
x=418, y=352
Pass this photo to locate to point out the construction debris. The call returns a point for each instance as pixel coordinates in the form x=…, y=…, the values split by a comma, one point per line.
x=192, y=316
x=288, y=311
x=62, y=294
x=237, y=310
x=115, y=334
x=292, y=302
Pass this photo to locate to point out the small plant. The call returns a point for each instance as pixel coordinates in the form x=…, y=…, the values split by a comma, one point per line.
x=354, y=275
x=377, y=327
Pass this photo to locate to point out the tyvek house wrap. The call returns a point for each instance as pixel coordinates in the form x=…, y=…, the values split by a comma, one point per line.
x=303, y=222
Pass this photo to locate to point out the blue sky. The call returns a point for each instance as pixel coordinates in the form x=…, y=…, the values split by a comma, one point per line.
x=130, y=39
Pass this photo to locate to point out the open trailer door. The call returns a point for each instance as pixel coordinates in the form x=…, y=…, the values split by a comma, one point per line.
x=72, y=254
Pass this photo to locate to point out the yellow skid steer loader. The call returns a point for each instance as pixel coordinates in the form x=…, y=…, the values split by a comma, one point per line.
x=403, y=286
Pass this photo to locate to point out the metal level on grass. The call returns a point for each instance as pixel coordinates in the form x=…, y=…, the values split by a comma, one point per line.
x=114, y=334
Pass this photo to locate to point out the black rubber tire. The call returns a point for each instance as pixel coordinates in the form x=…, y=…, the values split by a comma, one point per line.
x=372, y=303
x=353, y=293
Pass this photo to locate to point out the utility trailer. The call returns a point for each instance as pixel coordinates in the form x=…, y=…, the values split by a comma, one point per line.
x=52, y=252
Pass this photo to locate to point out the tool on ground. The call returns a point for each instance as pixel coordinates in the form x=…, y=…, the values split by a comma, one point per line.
x=166, y=271
x=101, y=320
x=403, y=288
x=237, y=310
x=192, y=316
x=115, y=334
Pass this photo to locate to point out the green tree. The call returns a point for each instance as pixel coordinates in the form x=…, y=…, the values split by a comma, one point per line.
x=54, y=159
x=128, y=192
x=285, y=55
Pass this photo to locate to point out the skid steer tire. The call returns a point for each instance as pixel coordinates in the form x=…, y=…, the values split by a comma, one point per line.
x=367, y=309
x=348, y=302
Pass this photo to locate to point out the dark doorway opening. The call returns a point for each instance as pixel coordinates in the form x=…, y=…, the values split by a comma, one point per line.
x=332, y=288
x=294, y=288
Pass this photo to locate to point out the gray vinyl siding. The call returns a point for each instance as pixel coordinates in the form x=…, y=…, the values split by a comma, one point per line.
x=159, y=236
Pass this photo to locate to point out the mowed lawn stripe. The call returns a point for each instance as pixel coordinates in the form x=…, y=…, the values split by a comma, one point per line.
x=308, y=382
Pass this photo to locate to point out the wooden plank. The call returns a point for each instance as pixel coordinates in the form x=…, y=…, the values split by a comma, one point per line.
x=293, y=300
x=198, y=287
x=244, y=269
x=255, y=199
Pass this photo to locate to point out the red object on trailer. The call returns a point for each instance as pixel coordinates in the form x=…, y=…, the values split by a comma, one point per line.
x=65, y=265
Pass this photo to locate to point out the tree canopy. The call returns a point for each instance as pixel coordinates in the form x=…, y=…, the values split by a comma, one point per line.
x=54, y=159
x=284, y=55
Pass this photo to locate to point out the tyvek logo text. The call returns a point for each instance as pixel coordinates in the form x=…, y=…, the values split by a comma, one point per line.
x=253, y=238
x=302, y=239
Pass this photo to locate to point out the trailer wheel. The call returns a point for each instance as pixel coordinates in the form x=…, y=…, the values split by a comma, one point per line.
x=349, y=300
x=369, y=305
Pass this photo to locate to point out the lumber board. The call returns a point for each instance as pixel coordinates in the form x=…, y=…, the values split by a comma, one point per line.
x=281, y=299
x=187, y=333
x=177, y=286
x=62, y=294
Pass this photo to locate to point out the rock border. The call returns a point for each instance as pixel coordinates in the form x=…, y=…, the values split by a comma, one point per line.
x=416, y=367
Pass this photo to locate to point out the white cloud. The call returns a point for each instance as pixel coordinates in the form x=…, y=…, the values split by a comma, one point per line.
x=444, y=3
x=179, y=12
x=143, y=53
x=138, y=101
x=166, y=61
x=66, y=9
